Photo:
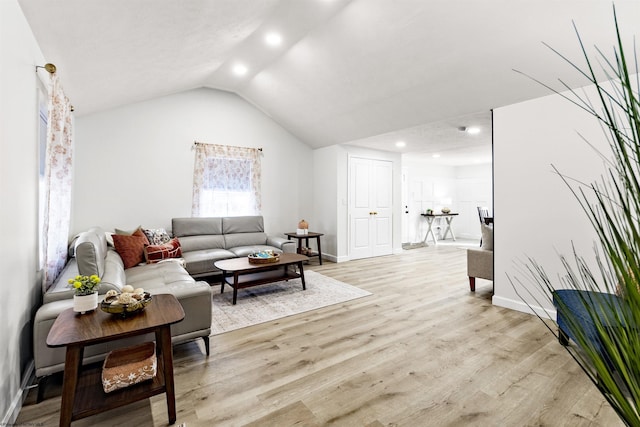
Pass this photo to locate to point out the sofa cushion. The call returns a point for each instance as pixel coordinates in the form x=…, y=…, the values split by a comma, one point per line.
x=242, y=224
x=242, y=251
x=196, y=226
x=155, y=253
x=198, y=243
x=201, y=262
x=131, y=248
x=90, y=251
x=244, y=239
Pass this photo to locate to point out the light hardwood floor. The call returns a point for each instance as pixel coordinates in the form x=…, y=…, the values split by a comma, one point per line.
x=421, y=351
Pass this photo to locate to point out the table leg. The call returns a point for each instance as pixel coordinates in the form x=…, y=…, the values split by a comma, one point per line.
x=163, y=338
x=299, y=246
x=430, y=231
x=319, y=250
x=235, y=287
x=222, y=281
x=304, y=285
x=449, y=229
x=72, y=363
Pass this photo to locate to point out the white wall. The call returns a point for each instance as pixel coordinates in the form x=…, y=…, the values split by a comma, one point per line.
x=536, y=215
x=134, y=164
x=326, y=186
x=20, y=285
x=331, y=196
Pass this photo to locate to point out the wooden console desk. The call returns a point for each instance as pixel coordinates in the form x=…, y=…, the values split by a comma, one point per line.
x=448, y=217
x=82, y=393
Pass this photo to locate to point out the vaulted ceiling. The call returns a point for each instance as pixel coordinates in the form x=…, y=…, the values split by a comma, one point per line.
x=367, y=72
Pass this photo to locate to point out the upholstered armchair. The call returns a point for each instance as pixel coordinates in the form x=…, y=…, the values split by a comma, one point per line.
x=480, y=260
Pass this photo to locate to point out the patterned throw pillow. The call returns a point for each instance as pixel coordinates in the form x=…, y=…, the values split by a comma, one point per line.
x=157, y=253
x=157, y=236
x=131, y=248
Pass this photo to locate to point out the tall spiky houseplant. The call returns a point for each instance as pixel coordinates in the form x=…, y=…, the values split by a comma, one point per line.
x=609, y=349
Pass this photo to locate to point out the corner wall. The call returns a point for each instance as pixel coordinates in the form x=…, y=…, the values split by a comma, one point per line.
x=20, y=285
x=535, y=213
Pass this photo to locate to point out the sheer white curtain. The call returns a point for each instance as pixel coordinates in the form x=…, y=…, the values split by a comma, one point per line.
x=226, y=181
x=58, y=181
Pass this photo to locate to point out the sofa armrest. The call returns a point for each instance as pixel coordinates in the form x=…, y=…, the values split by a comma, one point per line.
x=286, y=245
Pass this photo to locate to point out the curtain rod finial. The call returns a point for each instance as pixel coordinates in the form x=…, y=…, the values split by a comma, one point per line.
x=48, y=66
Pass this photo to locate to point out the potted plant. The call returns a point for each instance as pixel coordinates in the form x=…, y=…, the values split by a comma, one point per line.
x=602, y=315
x=85, y=297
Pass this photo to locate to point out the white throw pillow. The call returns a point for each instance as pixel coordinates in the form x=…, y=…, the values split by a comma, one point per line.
x=487, y=237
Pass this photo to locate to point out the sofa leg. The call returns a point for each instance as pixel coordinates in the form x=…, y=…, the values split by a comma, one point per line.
x=472, y=284
x=206, y=344
x=42, y=382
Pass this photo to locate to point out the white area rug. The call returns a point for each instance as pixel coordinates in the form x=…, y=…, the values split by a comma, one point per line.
x=277, y=300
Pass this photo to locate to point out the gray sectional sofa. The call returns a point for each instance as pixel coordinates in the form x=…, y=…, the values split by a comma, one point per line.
x=207, y=240
x=203, y=241
x=92, y=255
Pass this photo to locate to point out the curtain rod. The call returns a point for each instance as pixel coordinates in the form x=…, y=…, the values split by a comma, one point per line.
x=204, y=143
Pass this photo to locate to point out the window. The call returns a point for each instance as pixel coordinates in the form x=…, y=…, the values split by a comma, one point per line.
x=226, y=181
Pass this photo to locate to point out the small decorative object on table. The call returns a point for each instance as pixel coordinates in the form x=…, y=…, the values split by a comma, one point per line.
x=129, y=302
x=446, y=210
x=263, y=257
x=303, y=227
x=429, y=212
x=86, y=293
x=128, y=366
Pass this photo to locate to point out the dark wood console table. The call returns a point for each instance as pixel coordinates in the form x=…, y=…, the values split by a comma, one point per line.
x=306, y=237
x=82, y=393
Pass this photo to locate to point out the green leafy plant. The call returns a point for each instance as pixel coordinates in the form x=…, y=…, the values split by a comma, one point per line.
x=84, y=285
x=608, y=351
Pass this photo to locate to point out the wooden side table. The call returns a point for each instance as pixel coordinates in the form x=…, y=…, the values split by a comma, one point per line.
x=82, y=393
x=306, y=238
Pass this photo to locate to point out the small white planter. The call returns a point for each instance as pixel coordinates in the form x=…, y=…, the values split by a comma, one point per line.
x=84, y=303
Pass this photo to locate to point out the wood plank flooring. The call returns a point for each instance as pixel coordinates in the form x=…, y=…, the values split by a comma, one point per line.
x=421, y=351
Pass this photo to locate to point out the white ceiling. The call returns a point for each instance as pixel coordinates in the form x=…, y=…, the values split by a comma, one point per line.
x=367, y=72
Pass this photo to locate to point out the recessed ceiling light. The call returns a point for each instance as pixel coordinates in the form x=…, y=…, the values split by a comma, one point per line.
x=240, y=70
x=273, y=39
x=401, y=144
x=435, y=156
x=473, y=130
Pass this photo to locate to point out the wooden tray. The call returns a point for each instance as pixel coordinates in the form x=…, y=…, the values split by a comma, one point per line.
x=260, y=260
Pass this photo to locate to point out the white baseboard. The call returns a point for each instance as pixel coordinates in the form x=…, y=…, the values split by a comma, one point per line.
x=524, y=308
x=13, y=411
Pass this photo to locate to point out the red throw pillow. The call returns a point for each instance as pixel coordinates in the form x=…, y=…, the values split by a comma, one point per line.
x=131, y=248
x=156, y=253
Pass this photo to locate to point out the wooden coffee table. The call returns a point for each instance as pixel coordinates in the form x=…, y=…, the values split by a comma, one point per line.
x=82, y=393
x=239, y=273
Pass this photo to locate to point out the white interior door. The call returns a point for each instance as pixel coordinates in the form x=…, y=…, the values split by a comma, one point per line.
x=370, y=207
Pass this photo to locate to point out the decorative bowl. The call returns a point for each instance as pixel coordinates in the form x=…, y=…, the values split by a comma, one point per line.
x=445, y=210
x=125, y=310
x=266, y=257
